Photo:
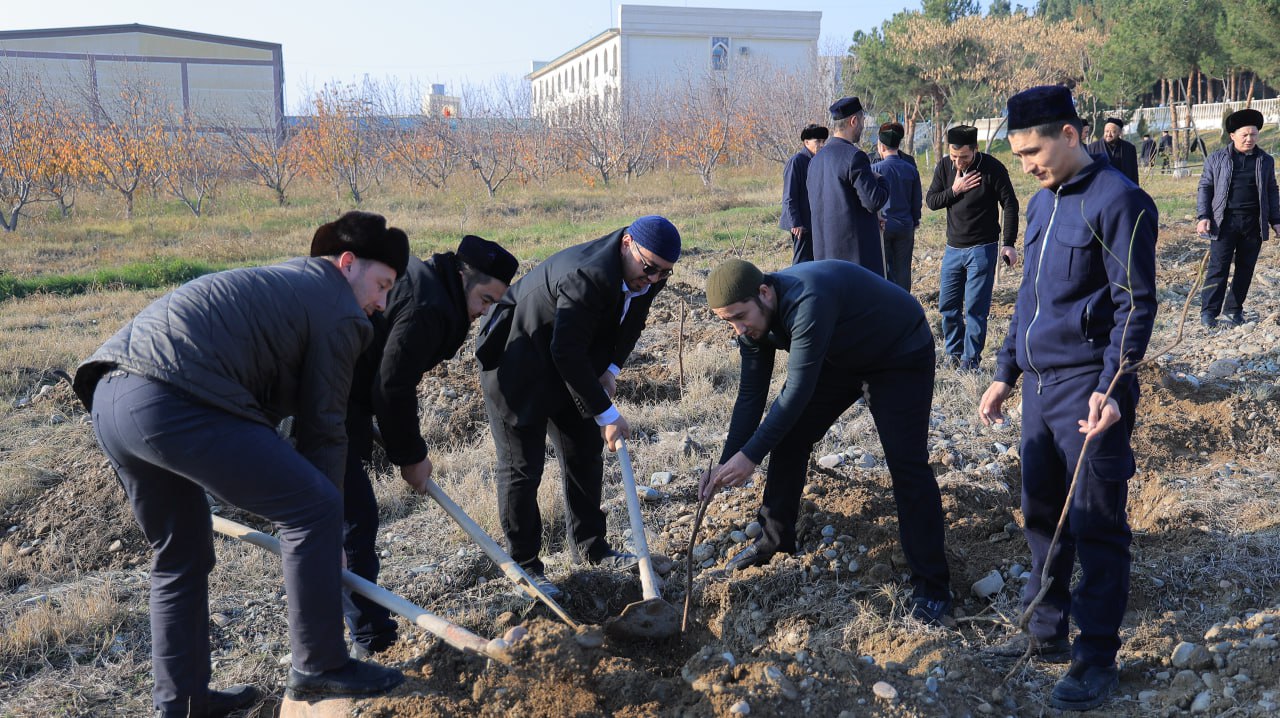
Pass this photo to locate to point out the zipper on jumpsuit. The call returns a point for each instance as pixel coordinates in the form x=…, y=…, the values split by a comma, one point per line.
x=1044, y=243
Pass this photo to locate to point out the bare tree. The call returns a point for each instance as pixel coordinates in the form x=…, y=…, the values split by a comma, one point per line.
x=699, y=127
x=490, y=138
x=341, y=140
x=778, y=102
x=270, y=156
x=425, y=148
x=193, y=164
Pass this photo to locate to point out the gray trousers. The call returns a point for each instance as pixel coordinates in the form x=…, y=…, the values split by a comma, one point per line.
x=168, y=451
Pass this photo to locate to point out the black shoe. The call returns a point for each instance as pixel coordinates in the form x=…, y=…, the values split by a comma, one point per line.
x=230, y=700
x=1084, y=687
x=352, y=679
x=543, y=584
x=1050, y=650
x=933, y=611
x=1208, y=321
x=750, y=556
x=615, y=560
x=1237, y=319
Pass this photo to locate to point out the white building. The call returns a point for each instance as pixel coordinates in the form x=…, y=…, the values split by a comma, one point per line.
x=653, y=46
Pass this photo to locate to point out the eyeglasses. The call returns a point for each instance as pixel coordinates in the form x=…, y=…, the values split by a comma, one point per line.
x=650, y=269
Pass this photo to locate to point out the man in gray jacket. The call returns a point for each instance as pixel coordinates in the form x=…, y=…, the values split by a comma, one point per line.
x=1237, y=204
x=185, y=399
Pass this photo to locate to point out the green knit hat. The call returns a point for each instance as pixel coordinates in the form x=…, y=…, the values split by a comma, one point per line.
x=733, y=281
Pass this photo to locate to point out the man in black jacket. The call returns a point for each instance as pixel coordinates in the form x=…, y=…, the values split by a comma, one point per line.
x=429, y=311
x=550, y=355
x=846, y=331
x=1120, y=152
x=974, y=188
x=185, y=399
x=795, y=194
x=1237, y=204
x=844, y=194
x=1148, y=153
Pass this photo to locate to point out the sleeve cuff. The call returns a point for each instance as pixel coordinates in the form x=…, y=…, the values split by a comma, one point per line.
x=615, y=370
x=608, y=416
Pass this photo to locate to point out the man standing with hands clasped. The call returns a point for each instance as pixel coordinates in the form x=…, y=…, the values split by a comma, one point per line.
x=1237, y=203
x=1086, y=306
x=795, y=194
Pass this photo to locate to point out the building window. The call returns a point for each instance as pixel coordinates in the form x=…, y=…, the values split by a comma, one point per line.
x=719, y=53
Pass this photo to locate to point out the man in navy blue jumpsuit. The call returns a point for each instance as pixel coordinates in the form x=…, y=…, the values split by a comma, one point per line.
x=1086, y=306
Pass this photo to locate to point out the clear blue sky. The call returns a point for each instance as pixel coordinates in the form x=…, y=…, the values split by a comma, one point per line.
x=450, y=42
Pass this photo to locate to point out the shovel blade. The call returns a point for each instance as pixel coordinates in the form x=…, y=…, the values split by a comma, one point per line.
x=650, y=619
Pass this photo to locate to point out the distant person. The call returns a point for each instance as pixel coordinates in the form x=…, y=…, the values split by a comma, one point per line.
x=1237, y=205
x=1148, y=153
x=845, y=194
x=1121, y=153
x=550, y=356
x=901, y=214
x=185, y=400
x=1165, y=149
x=982, y=227
x=1087, y=304
x=795, y=195
x=1197, y=147
x=428, y=314
x=848, y=334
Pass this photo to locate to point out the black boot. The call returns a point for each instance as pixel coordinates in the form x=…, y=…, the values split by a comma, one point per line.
x=1084, y=687
x=353, y=678
x=230, y=700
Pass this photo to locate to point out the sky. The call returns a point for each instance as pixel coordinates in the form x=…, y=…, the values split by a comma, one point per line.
x=454, y=43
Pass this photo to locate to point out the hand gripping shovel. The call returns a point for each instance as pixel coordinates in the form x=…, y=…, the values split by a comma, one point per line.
x=450, y=633
x=652, y=617
x=495, y=552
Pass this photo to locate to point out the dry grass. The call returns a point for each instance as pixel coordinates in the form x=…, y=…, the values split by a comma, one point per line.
x=77, y=625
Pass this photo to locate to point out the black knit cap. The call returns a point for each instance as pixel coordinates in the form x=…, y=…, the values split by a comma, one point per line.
x=365, y=235
x=814, y=132
x=1040, y=106
x=1244, y=118
x=1114, y=121
x=962, y=136
x=488, y=257
x=845, y=107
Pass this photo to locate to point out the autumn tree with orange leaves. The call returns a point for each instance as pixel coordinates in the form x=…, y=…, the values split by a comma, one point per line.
x=272, y=158
x=124, y=138
x=340, y=142
x=29, y=142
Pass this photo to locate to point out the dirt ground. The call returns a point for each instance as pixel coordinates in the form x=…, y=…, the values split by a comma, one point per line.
x=813, y=634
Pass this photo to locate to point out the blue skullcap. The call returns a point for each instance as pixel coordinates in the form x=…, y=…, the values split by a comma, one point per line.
x=658, y=235
x=845, y=107
x=1040, y=106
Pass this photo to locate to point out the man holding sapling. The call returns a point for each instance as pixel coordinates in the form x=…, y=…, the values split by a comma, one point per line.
x=550, y=354
x=428, y=314
x=849, y=334
x=1086, y=306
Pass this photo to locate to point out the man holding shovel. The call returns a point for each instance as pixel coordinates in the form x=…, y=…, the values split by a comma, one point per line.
x=550, y=354
x=429, y=312
x=848, y=333
x=185, y=399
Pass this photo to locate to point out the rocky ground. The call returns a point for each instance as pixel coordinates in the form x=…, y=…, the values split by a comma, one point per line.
x=823, y=633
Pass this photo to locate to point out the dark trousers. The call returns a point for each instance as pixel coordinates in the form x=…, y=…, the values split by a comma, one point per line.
x=521, y=456
x=802, y=248
x=899, y=244
x=1239, y=238
x=371, y=625
x=1096, y=531
x=168, y=451
x=901, y=395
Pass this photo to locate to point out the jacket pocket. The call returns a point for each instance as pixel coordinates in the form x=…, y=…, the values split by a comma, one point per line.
x=1072, y=250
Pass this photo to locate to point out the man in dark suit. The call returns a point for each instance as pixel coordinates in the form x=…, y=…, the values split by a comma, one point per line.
x=795, y=194
x=844, y=194
x=1148, y=150
x=549, y=356
x=1121, y=153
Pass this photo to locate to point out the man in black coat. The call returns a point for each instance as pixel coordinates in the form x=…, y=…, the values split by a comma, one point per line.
x=1122, y=154
x=845, y=195
x=185, y=399
x=429, y=311
x=1148, y=153
x=795, y=194
x=550, y=355
x=847, y=333
x=1237, y=204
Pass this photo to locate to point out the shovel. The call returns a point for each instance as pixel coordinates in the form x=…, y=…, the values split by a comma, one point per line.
x=495, y=552
x=653, y=617
x=451, y=633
